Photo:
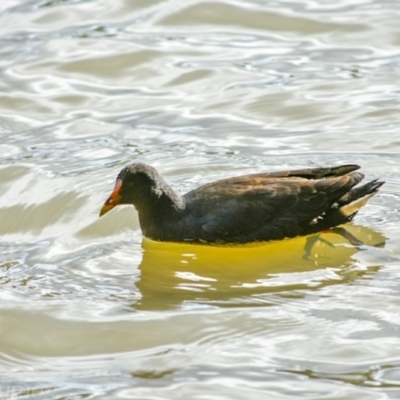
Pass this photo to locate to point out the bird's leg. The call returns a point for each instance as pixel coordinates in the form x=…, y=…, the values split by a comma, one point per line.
x=348, y=236
x=310, y=242
x=339, y=231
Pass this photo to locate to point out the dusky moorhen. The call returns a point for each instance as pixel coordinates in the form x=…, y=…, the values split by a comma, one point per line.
x=250, y=208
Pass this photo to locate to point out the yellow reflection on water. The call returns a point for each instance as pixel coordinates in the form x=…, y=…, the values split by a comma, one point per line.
x=173, y=273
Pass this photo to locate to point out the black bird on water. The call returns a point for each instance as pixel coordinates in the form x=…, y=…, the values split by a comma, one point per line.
x=250, y=208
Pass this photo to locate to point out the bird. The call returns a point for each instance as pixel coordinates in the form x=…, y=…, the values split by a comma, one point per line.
x=259, y=207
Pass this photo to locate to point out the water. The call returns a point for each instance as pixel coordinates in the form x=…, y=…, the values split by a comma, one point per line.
x=200, y=90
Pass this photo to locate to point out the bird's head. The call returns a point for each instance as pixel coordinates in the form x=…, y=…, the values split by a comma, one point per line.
x=136, y=184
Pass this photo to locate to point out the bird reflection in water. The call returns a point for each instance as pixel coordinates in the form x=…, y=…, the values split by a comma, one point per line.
x=177, y=275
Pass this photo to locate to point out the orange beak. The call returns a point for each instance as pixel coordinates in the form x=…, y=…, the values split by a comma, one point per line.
x=113, y=200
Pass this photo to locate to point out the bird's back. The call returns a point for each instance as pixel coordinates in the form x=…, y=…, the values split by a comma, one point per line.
x=270, y=206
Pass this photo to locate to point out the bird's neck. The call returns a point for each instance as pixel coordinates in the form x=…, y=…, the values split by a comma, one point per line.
x=163, y=204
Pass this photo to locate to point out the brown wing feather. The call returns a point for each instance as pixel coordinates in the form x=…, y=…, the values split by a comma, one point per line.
x=261, y=205
x=264, y=178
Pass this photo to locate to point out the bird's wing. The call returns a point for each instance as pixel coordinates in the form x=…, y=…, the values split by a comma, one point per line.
x=274, y=207
x=314, y=173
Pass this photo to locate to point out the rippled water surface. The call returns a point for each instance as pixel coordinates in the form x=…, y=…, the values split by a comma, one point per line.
x=201, y=90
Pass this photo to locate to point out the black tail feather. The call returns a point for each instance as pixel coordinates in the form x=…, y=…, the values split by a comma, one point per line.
x=361, y=191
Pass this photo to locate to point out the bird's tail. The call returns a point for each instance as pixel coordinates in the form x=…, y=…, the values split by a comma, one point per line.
x=352, y=201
